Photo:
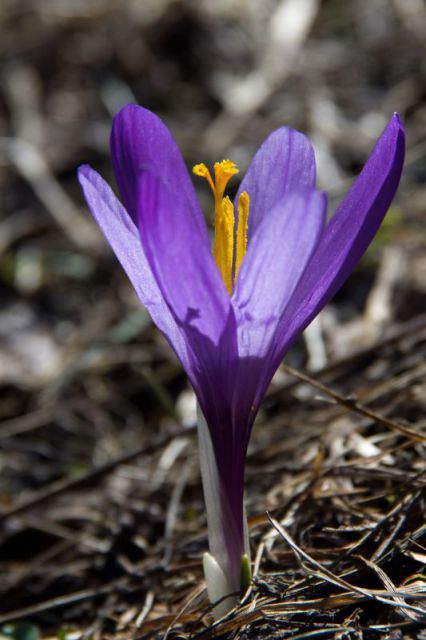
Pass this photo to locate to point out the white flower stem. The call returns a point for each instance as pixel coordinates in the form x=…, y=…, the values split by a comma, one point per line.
x=218, y=587
x=216, y=562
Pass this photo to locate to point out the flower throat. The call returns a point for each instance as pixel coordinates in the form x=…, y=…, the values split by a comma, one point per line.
x=229, y=248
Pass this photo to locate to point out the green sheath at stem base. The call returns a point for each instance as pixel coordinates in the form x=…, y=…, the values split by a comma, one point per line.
x=245, y=576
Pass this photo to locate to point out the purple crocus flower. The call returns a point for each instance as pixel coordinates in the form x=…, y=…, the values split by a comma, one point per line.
x=231, y=326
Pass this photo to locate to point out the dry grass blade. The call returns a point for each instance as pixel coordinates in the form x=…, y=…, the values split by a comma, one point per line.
x=91, y=476
x=328, y=576
x=393, y=591
x=47, y=605
x=352, y=405
x=32, y=165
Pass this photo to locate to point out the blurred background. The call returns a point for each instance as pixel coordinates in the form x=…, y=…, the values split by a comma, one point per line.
x=84, y=377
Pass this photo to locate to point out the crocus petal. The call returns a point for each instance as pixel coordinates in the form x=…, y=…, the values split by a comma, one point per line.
x=276, y=259
x=181, y=260
x=141, y=142
x=347, y=235
x=123, y=237
x=284, y=163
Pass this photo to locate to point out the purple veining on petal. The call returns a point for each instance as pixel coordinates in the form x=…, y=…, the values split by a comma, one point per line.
x=347, y=235
x=284, y=163
x=140, y=142
x=197, y=299
x=173, y=246
x=123, y=237
x=277, y=256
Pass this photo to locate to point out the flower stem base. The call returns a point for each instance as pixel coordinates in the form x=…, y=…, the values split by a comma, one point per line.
x=218, y=588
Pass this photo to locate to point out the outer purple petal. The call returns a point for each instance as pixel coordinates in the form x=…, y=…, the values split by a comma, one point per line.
x=348, y=234
x=284, y=163
x=123, y=236
x=141, y=142
x=181, y=260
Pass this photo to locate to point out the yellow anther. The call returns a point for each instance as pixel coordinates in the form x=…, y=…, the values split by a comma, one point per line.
x=241, y=248
x=223, y=247
x=224, y=220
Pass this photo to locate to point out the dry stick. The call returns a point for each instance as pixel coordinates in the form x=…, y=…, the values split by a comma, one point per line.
x=328, y=576
x=57, y=602
x=92, y=476
x=322, y=632
x=406, y=504
x=409, y=329
x=221, y=627
x=197, y=592
x=404, y=478
x=403, y=506
x=286, y=607
x=243, y=99
x=22, y=424
x=172, y=512
x=389, y=586
x=385, y=544
x=62, y=532
x=22, y=574
x=147, y=606
x=354, y=406
x=33, y=167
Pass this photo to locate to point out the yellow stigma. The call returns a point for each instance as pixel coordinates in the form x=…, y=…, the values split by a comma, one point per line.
x=227, y=260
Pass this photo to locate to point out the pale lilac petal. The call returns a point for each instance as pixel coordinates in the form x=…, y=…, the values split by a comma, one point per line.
x=348, y=234
x=140, y=141
x=284, y=163
x=276, y=260
x=123, y=237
